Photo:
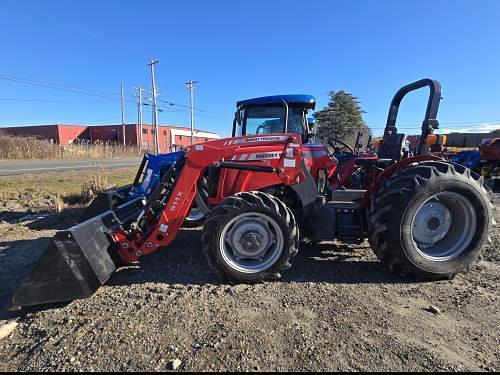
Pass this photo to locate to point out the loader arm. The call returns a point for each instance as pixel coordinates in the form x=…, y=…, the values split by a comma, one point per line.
x=156, y=229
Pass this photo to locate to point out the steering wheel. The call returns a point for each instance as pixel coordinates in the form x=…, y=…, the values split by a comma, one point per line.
x=344, y=146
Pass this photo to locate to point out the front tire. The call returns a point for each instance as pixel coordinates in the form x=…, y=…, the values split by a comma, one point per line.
x=430, y=220
x=250, y=237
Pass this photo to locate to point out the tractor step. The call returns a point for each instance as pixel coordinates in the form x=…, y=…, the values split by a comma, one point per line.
x=77, y=261
x=342, y=220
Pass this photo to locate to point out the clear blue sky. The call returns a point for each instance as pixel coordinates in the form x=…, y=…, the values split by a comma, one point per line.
x=242, y=49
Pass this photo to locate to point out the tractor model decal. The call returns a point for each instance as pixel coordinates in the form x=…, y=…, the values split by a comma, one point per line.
x=258, y=156
x=176, y=201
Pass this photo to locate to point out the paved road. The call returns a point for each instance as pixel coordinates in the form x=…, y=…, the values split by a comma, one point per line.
x=10, y=168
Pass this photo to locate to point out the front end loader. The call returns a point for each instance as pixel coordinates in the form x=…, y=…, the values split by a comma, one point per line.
x=266, y=188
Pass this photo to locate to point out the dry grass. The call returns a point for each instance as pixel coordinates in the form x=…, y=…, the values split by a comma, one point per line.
x=96, y=183
x=22, y=148
x=61, y=188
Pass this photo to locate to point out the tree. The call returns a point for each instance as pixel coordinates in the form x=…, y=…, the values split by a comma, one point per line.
x=342, y=118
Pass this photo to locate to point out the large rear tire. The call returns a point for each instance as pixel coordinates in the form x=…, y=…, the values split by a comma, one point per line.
x=250, y=237
x=430, y=220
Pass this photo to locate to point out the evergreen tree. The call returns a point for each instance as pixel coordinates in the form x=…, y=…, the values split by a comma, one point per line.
x=342, y=118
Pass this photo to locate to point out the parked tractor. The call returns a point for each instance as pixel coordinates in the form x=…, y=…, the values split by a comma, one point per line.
x=266, y=188
x=485, y=161
x=490, y=161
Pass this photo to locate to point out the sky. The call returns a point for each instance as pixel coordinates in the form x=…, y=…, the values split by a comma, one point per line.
x=244, y=49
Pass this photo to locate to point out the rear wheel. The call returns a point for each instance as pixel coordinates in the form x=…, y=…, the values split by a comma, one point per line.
x=430, y=220
x=250, y=237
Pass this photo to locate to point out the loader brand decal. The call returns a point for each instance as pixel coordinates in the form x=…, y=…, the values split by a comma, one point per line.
x=257, y=139
x=258, y=156
x=176, y=201
x=266, y=155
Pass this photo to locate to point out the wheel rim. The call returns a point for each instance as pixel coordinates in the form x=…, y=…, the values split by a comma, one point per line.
x=251, y=242
x=443, y=226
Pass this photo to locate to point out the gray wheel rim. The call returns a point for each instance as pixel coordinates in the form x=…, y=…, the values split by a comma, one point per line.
x=251, y=242
x=443, y=226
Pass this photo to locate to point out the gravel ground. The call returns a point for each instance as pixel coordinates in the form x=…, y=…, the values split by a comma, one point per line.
x=336, y=309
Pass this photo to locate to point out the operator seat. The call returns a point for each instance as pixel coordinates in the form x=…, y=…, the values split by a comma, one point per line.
x=391, y=151
x=393, y=147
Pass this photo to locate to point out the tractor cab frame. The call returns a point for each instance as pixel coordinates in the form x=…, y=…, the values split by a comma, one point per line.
x=277, y=114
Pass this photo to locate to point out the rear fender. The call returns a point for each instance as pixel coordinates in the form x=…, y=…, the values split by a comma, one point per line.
x=388, y=172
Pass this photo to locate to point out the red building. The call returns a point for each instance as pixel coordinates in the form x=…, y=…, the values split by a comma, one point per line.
x=170, y=138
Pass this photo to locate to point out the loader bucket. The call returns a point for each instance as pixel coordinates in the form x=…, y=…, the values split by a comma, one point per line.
x=77, y=261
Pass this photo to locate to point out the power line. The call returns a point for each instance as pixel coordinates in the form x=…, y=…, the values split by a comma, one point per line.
x=448, y=124
x=221, y=117
x=30, y=100
x=56, y=87
x=99, y=94
x=59, y=85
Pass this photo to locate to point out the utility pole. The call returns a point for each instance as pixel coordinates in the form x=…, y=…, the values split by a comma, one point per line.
x=190, y=86
x=139, y=114
x=123, y=115
x=155, y=110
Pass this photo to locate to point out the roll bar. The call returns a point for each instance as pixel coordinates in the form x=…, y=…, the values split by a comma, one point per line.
x=430, y=122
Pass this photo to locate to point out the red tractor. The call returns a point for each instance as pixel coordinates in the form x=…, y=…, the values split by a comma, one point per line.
x=489, y=152
x=265, y=189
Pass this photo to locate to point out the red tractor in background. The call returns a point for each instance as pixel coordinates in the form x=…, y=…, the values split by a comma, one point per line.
x=266, y=188
x=489, y=152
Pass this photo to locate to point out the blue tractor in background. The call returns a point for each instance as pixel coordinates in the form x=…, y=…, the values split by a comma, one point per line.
x=471, y=159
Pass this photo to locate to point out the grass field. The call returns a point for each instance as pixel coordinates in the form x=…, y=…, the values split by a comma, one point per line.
x=30, y=148
x=67, y=185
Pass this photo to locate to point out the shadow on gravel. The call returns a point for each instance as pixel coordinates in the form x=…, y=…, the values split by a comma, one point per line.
x=42, y=220
x=183, y=263
x=17, y=257
x=16, y=260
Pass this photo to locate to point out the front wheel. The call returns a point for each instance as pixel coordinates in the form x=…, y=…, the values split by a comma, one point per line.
x=250, y=237
x=430, y=220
